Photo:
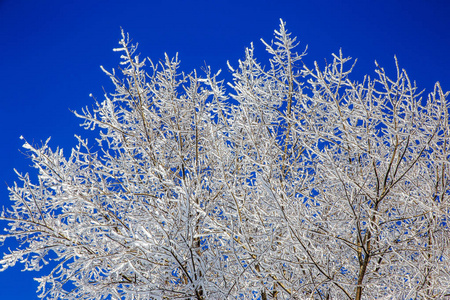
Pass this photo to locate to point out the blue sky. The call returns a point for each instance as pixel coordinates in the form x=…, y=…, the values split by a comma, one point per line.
x=51, y=52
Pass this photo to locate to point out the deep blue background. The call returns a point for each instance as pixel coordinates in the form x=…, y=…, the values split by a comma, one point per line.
x=50, y=53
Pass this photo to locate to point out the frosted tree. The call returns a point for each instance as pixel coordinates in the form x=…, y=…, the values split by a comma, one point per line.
x=305, y=184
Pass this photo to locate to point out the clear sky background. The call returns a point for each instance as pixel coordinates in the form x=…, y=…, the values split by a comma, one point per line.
x=51, y=52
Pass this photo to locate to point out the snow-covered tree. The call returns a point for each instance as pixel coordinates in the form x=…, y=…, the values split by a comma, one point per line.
x=289, y=183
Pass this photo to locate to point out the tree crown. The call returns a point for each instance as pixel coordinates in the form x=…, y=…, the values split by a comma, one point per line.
x=300, y=182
